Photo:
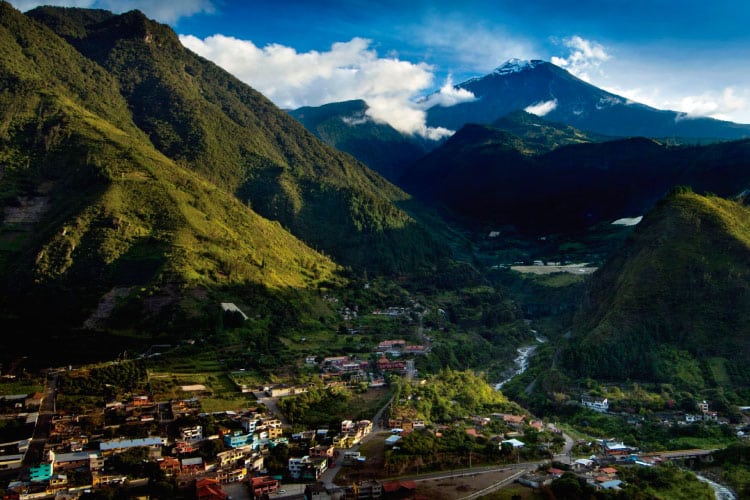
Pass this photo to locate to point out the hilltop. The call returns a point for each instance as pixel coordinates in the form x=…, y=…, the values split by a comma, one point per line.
x=672, y=305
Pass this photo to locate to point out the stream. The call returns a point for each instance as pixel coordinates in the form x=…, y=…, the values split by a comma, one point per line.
x=521, y=362
x=721, y=492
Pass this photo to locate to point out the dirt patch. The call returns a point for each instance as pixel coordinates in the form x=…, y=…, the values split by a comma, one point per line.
x=461, y=486
x=30, y=210
x=106, y=305
x=581, y=269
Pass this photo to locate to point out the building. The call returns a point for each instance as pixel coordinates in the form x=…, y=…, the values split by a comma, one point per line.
x=170, y=466
x=209, y=489
x=263, y=485
x=41, y=473
x=191, y=434
x=193, y=465
x=596, y=404
x=321, y=451
x=154, y=444
x=307, y=467
x=237, y=439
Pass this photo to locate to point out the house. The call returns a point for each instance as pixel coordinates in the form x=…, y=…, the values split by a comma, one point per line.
x=417, y=350
x=515, y=421
x=154, y=445
x=364, y=489
x=237, y=439
x=170, y=466
x=535, y=480
x=41, y=473
x=307, y=467
x=537, y=424
x=583, y=464
x=192, y=465
x=595, y=403
x=703, y=407
x=513, y=442
x=555, y=473
x=321, y=451
x=191, y=434
x=209, y=489
x=263, y=485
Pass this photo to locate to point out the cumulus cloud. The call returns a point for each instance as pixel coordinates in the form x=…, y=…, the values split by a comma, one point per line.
x=714, y=104
x=448, y=95
x=349, y=70
x=724, y=104
x=541, y=108
x=584, y=56
x=165, y=11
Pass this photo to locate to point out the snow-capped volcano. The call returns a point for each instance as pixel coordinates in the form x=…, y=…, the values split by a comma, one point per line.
x=519, y=84
x=516, y=66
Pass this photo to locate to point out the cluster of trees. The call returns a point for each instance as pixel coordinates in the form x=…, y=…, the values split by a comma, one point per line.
x=108, y=380
x=451, y=394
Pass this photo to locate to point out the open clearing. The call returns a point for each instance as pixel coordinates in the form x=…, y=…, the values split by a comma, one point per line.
x=568, y=268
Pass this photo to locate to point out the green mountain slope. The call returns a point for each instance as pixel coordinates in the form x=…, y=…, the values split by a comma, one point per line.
x=674, y=304
x=542, y=136
x=205, y=119
x=89, y=206
x=497, y=177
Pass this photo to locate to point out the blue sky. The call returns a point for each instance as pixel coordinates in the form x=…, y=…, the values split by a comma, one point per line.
x=691, y=56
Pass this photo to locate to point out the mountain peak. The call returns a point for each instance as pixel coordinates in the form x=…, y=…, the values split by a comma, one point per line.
x=516, y=66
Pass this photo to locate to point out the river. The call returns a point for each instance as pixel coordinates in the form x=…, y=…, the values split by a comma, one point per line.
x=721, y=492
x=521, y=362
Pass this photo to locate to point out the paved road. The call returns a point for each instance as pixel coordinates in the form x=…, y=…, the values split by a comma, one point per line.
x=35, y=453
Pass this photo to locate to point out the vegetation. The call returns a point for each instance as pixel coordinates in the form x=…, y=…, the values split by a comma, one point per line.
x=671, y=306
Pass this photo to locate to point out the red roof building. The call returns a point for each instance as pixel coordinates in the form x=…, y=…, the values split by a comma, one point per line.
x=209, y=489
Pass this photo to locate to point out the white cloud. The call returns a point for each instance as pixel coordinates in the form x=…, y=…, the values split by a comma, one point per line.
x=724, y=104
x=541, y=108
x=584, y=56
x=165, y=11
x=447, y=96
x=349, y=70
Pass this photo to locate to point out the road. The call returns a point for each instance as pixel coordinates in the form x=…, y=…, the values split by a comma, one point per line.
x=35, y=453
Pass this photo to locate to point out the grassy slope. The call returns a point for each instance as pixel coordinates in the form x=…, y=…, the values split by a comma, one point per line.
x=120, y=213
x=202, y=117
x=674, y=300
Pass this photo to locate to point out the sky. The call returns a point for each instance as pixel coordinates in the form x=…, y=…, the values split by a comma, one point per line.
x=402, y=57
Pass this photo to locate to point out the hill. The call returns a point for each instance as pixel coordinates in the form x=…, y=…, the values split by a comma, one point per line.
x=516, y=85
x=93, y=213
x=496, y=177
x=540, y=135
x=672, y=305
x=203, y=118
x=346, y=127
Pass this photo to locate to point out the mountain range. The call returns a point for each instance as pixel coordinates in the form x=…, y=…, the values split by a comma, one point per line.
x=543, y=186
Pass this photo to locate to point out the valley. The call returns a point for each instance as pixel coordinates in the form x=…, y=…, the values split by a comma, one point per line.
x=200, y=290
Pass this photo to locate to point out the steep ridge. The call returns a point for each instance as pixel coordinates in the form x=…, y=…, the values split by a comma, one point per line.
x=517, y=85
x=674, y=304
x=203, y=118
x=496, y=177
